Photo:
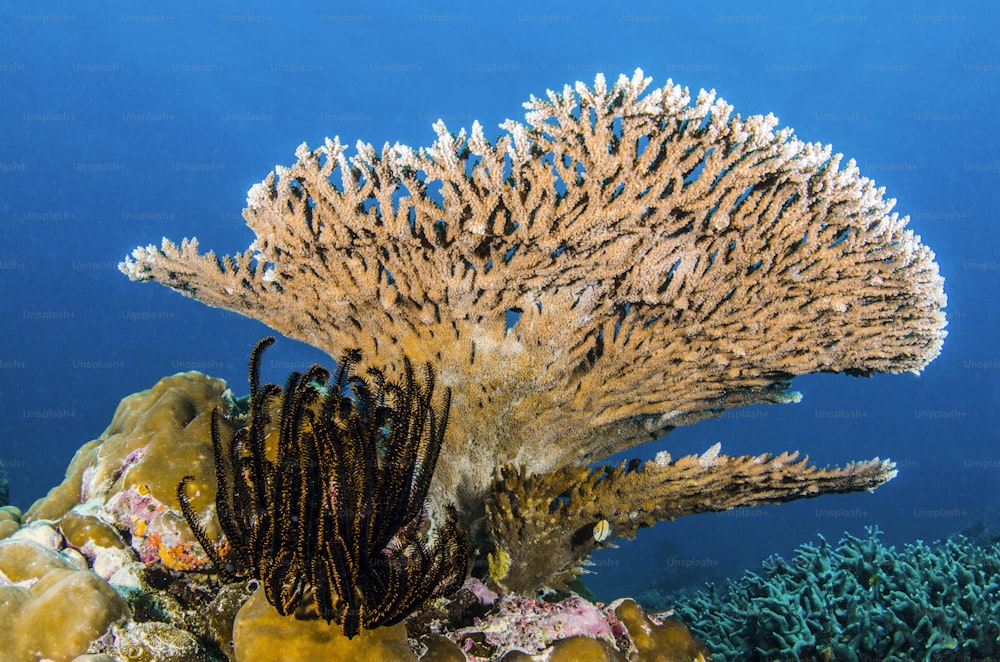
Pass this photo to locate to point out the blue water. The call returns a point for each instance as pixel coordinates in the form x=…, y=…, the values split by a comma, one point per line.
x=121, y=126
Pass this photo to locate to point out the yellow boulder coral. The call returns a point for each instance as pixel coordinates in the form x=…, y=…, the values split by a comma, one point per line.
x=49, y=609
x=669, y=641
x=128, y=476
x=260, y=634
x=10, y=520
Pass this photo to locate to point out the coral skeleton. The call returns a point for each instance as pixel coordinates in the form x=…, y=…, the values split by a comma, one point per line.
x=625, y=261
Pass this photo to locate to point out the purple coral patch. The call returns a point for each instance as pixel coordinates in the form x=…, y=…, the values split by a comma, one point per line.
x=531, y=625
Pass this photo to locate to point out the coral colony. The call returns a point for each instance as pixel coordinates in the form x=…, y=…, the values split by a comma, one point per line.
x=858, y=600
x=666, y=261
x=624, y=262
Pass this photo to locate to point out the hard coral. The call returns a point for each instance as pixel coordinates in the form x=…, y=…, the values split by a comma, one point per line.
x=10, y=520
x=260, y=634
x=858, y=600
x=628, y=260
x=127, y=478
x=564, y=515
x=665, y=641
x=49, y=608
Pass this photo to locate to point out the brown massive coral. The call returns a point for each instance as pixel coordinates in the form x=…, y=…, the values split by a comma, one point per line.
x=625, y=262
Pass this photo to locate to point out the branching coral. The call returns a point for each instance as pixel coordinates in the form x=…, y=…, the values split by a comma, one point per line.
x=858, y=600
x=625, y=262
x=341, y=507
x=555, y=514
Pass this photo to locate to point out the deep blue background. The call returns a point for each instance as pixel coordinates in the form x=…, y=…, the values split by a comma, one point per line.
x=121, y=126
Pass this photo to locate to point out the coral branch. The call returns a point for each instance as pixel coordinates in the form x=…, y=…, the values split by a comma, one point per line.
x=555, y=514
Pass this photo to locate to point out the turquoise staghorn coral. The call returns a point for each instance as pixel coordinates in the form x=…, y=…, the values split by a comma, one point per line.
x=857, y=601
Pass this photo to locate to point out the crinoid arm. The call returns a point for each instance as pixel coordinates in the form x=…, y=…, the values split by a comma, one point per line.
x=338, y=509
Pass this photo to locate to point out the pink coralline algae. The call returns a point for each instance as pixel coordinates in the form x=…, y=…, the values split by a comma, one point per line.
x=156, y=529
x=530, y=625
x=482, y=592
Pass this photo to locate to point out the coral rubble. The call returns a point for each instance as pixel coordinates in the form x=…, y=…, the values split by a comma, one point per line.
x=513, y=627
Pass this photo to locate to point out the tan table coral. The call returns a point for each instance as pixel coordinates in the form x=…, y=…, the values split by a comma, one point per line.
x=625, y=262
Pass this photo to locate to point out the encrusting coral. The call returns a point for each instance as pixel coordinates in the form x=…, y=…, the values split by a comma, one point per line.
x=340, y=509
x=625, y=262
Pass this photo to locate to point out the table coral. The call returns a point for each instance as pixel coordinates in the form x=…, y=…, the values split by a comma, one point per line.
x=624, y=262
x=555, y=514
x=627, y=260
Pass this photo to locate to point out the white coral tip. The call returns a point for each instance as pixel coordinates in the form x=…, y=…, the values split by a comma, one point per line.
x=708, y=458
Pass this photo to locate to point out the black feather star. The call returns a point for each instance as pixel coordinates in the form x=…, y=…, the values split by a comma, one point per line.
x=342, y=509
